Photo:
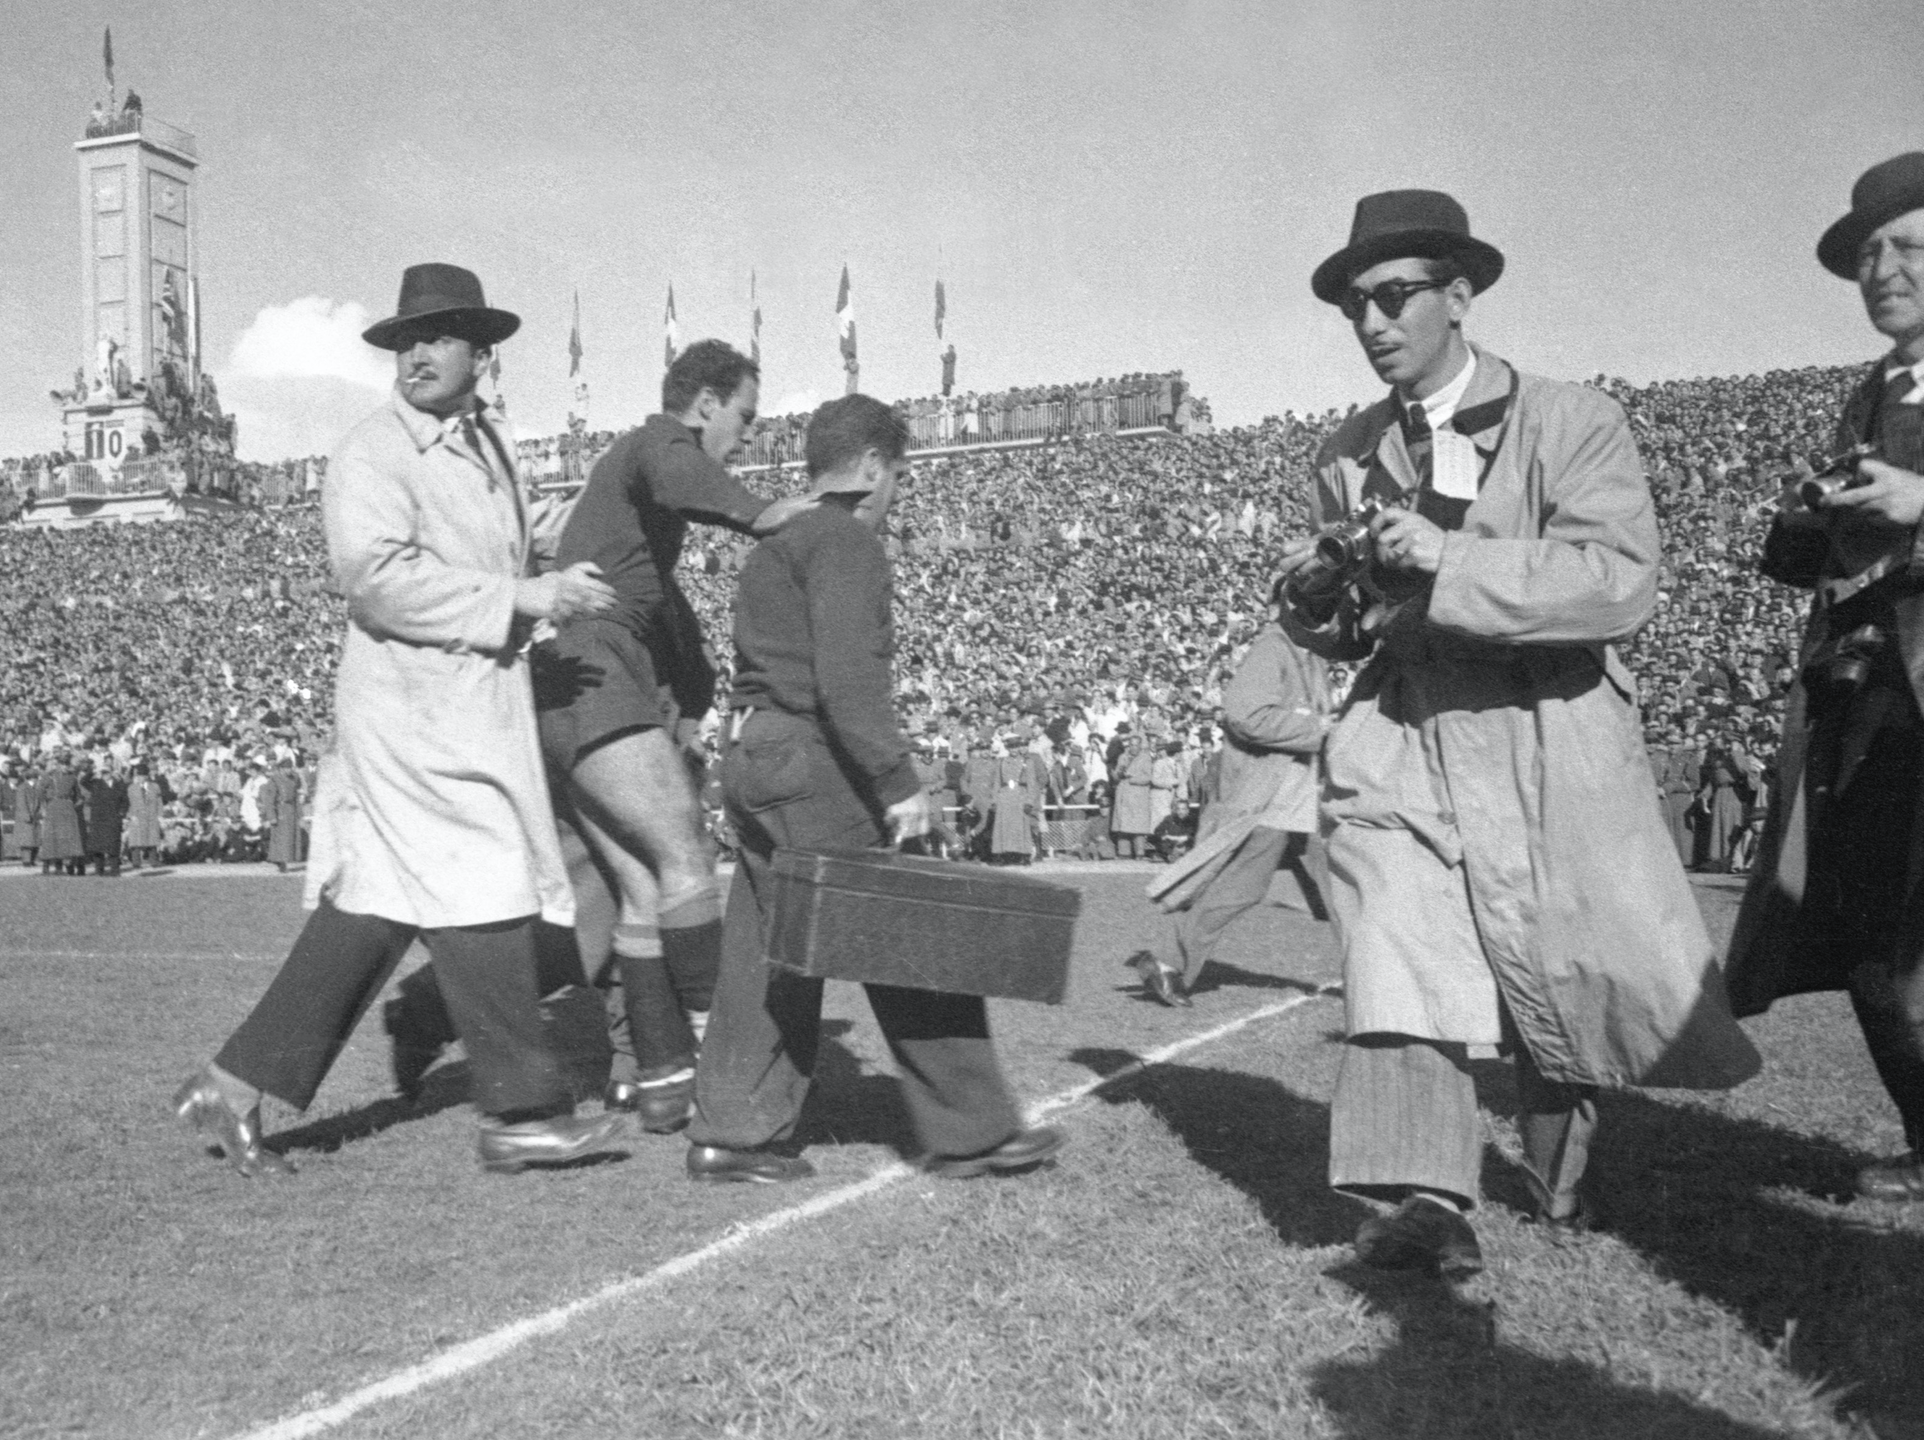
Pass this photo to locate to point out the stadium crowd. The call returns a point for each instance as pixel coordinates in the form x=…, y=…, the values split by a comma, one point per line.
x=1048, y=597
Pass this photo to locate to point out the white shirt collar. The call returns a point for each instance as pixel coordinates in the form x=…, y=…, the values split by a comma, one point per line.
x=1893, y=367
x=1439, y=409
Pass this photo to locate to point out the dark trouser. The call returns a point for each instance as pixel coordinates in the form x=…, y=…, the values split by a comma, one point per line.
x=1240, y=885
x=581, y=956
x=1866, y=784
x=286, y=1046
x=784, y=787
x=1404, y=1118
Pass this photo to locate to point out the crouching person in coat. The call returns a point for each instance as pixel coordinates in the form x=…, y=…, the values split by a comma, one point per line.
x=816, y=759
x=431, y=815
x=1275, y=713
x=1498, y=876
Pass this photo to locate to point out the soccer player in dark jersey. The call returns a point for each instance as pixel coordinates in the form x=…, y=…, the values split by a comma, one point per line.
x=614, y=692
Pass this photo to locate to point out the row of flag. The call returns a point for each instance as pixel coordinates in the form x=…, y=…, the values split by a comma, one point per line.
x=671, y=328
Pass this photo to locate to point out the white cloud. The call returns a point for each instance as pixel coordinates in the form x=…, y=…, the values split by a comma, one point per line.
x=801, y=402
x=300, y=376
x=312, y=338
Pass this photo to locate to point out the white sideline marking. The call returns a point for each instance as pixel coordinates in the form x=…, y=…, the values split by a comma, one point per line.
x=477, y=1352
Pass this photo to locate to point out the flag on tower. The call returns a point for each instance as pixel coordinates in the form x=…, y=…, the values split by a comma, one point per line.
x=670, y=331
x=107, y=54
x=845, y=322
x=574, y=341
x=941, y=308
x=754, y=322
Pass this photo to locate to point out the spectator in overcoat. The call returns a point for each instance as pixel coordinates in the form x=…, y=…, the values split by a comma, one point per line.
x=1133, y=817
x=282, y=811
x=106, y=806
x=57, y=814
x=144, y=799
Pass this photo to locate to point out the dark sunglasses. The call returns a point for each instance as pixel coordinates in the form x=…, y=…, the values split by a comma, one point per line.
x=1390, y=297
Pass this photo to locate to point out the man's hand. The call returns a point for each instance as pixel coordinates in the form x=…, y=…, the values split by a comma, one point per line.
x=1406, y=541
x=780, y=512
x=1884, y=492
x=1296, y=554
x=564, y=595
x=909, y=818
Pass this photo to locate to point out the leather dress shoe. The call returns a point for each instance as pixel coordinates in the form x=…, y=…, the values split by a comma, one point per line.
x=1420, y=1234
x=1162, y=983
x=1900, y=1179
x=506, y=1148
x=410, y=1054
x=716, y=1164
x=1020, y=1151
x=663, y=1107
x=238, y=1134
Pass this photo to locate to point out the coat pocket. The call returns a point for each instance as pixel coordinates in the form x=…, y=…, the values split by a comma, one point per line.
x=758, y=777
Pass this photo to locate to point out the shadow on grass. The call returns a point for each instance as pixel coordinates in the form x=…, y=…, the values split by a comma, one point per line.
x=1835, y=1295
x=1723, y=1207
x=1261, y=1137
x=1448, y=1377
x=445, y=1087
x=1218, y=974
x=848, y=1107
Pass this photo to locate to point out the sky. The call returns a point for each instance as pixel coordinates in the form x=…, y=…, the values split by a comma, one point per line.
x=1103, y=186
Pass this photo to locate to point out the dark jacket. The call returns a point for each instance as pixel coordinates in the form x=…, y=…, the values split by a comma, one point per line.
x=814, y=639
x=631, y=520
x=1786, y=940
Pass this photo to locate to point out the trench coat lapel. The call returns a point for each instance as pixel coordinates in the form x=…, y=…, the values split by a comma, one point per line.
x=426, y=431
x=1484, y=413
x=1393, y=478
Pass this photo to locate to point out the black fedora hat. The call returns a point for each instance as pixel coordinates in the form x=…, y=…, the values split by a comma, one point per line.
x=1398, y=223
x=449, y=296
x=1881, y=194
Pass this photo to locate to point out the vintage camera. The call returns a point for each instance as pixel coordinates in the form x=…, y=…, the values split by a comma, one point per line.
x=1846, y=663
x=1838, y=473
x=1343, y=550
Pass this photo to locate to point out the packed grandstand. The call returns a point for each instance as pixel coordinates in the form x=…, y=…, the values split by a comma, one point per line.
x=1102, y=576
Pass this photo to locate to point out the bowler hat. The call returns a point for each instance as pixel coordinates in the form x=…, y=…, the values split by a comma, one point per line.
x=1399, y=223
x=1881, y=194
x=449, y=296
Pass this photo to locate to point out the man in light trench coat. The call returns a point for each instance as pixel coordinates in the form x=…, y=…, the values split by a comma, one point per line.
x=1498, y=875
x=431, y=816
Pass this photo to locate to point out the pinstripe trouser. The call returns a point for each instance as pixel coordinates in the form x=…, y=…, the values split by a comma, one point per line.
x=1404, y=1118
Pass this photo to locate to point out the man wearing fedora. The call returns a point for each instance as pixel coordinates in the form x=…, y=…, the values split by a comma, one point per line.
x=431, y=816
x=1835, y=900
x=1499, y=880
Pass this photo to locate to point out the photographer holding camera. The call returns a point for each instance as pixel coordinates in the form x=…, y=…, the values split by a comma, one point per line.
x=1835, y=900
x=1498, y=876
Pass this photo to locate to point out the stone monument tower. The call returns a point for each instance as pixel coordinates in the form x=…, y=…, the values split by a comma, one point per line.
x=141, y=416
x=139, y=372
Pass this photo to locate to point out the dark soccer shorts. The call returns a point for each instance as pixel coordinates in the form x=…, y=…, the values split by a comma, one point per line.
x=593, y=683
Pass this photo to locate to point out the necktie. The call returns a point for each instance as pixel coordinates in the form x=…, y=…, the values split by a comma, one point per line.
x=1899, y=428
x=471, y=437
x=1444, y=511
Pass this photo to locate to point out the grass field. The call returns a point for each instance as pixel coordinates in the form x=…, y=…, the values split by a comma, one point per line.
x=1182, y=1271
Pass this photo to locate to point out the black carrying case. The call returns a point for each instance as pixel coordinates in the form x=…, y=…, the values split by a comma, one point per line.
x=889, y=919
